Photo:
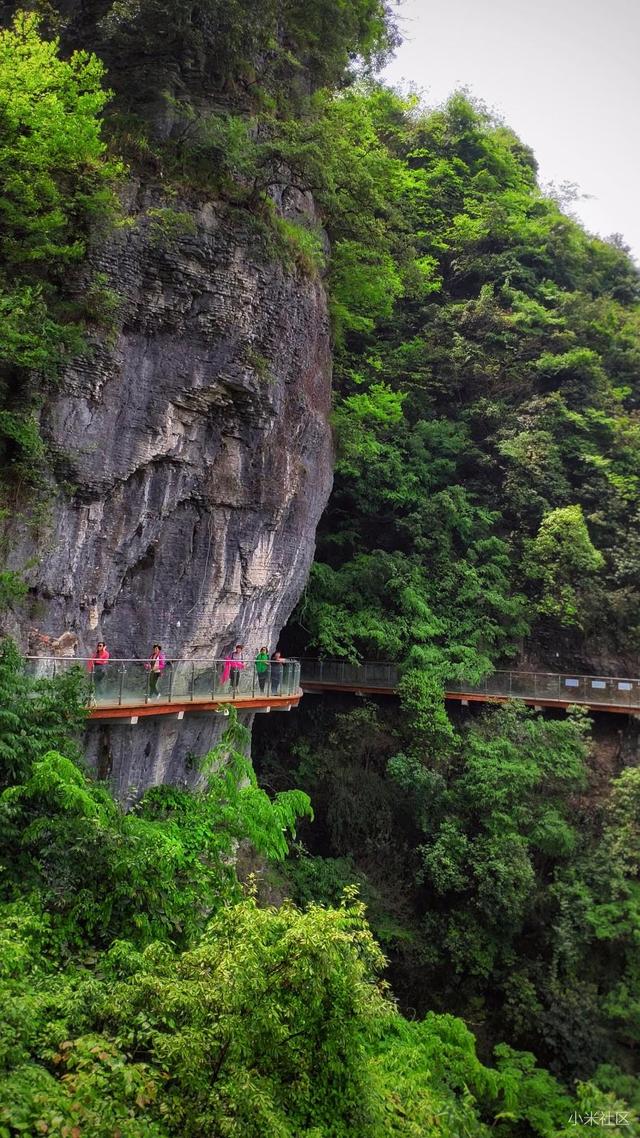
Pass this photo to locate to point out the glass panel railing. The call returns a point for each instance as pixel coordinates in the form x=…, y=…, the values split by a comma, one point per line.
x=340, y=673
x=48, y=667
x=458, y=686
x=106, y=683
x=204, y=680
x=495, y=684
x=565, y=688
x=180, y=680
x=312, y=671
x=548, y=686
x=621, y=693
x=380, y=675
x=572, y=688
x=521, y=685
x=132, y=683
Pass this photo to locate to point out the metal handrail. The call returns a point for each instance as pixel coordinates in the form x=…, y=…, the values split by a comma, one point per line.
x=169, y=659
x=492, y=675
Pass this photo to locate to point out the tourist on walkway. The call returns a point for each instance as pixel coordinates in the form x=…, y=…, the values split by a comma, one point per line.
x=262, y=667
x=155, y=666
x=287, y=675
x=97, y=664
x=277, y=667
x=233, y=665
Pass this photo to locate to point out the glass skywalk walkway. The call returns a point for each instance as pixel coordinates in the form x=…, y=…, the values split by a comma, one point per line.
x=125, y=688
x=546, y=689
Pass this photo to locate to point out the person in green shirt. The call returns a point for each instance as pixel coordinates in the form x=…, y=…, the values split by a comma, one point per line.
x=262, y=667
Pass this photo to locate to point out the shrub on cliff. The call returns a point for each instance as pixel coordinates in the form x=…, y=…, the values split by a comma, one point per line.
x=55, y=183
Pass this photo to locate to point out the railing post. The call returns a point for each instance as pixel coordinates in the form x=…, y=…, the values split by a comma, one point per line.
x=321, y=662
x=120, y=687
x=170, y=692
x=193, y=681
x=253, y=682
x=535, y=684
x=510, y=683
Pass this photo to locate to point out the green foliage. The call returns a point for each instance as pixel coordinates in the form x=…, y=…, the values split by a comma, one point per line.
x=487, y=489
x=55, y=181
x=143, y=995
x=267, y=50
x=36, y=716
x=486, y=376
x=13, y=588
x=169, y=225
x=502, y=811
x=99, y=872
x=301, y=244
x=258, y=1028
x=499, y=890
x=273, y=1023
x=560, y=557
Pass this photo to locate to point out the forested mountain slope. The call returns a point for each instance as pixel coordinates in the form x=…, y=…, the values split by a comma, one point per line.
x=485, y=511
x=487, y=378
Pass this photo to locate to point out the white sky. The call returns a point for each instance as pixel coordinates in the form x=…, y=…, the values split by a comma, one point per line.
x=564, y=74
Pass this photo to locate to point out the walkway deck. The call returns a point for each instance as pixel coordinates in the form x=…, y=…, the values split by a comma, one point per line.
x=616, y=694
x=132, y=711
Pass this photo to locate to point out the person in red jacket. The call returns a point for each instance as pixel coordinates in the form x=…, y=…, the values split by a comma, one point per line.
x=97, y=664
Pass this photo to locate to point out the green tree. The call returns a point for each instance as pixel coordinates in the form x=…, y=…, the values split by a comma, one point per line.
x=485, y=384
x=56, y=183
x=560, y=558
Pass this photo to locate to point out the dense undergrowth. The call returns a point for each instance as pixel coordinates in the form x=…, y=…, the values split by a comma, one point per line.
x=146, y=995
x=499, y=870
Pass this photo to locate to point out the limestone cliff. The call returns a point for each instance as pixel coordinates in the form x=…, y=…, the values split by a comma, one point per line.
x=196, y=452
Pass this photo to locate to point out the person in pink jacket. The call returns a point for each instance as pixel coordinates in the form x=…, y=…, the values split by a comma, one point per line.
x=97, y=664
x=233, y=665
x=155, y=666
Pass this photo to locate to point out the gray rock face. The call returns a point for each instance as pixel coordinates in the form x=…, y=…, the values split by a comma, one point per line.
x=198, y=446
